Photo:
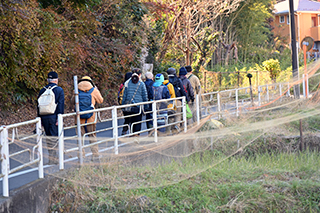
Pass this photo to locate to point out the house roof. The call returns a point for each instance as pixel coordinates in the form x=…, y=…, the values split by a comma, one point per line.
x=299, y=6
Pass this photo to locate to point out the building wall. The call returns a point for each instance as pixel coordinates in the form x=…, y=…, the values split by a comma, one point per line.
x=304, y=27
x=282, y=30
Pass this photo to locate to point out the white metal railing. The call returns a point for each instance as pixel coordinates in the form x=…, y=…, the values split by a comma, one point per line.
x=115, y=127
x=5, y=154
x=213, y=103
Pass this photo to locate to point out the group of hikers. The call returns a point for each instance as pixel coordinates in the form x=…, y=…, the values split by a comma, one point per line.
x=163, y=85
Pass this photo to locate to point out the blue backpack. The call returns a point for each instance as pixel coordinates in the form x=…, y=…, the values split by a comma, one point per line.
x=158, y=95
x=85, y=102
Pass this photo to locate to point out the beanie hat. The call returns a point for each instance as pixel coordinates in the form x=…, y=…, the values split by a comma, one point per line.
x=171, y=71
x=52, y=75
x=149, y=75
x=158, y=80
x=165, y=76
x=188, y=68
x=182, y=71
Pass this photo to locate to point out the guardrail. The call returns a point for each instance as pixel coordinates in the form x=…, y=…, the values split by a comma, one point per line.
x=5, y=154
x=115, y=111
x=218, y=103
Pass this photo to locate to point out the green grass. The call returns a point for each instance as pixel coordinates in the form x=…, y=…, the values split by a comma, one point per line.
x=264, y=183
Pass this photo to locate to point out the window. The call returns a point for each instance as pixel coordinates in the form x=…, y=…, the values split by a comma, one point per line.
x=281, y=19
x=288, y=20
x=313, y=21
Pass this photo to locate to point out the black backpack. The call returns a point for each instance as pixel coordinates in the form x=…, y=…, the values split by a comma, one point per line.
x=175, y=81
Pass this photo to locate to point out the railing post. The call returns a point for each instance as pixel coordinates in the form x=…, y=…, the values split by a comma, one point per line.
x=155, y=124
x=76, y=92
x=237, y=104
x=219, y=105
x=198, y=109
x=40, y=150
x=184, y=110
x=288, y=92
x=61, y=141
x=5, y=167
x=115, y=129
x=304, y=86
x=307, y=82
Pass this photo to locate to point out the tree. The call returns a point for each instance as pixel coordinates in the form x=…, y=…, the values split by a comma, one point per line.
x=188, y=20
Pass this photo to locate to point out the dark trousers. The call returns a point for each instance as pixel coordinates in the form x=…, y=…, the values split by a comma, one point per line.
x=149, y=116
x=126, y=121
x=132, y=120
x=51, y=130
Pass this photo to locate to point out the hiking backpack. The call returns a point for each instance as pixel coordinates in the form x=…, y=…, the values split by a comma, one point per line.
x=85, y=103
x=176, y=85
x=157, y=93
x=47, y=101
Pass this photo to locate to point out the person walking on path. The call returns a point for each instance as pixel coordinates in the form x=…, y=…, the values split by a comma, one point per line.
x=171, y=106
x=187, y=86
x=120, y=98
x=49, y=120
x=196, y=86
x=178, y=90
x=149, y=83
x=86, y=86
x=135, y=92
x=161, y=92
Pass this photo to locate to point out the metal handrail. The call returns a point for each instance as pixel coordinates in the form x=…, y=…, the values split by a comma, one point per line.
x=5, y=156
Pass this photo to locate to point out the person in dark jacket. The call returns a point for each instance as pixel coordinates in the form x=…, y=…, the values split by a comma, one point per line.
x=179, y=91
x=186, y=84
x=187, y=87
x=149, y=82
x=50, y=121
x=135, y=92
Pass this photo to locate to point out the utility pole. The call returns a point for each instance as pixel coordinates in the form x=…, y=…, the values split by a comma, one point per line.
x=295, y=66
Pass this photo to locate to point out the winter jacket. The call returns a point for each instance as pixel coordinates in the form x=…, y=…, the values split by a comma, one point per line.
x=130, y=88
x=149, y=84
x=195, y=83
x=171, y=91
x=59, y=100
x=187, y=86
x=95, y=98
x=178, y=86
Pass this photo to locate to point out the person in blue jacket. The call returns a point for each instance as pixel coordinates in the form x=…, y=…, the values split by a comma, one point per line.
x=50, y=121
x=135, y=92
